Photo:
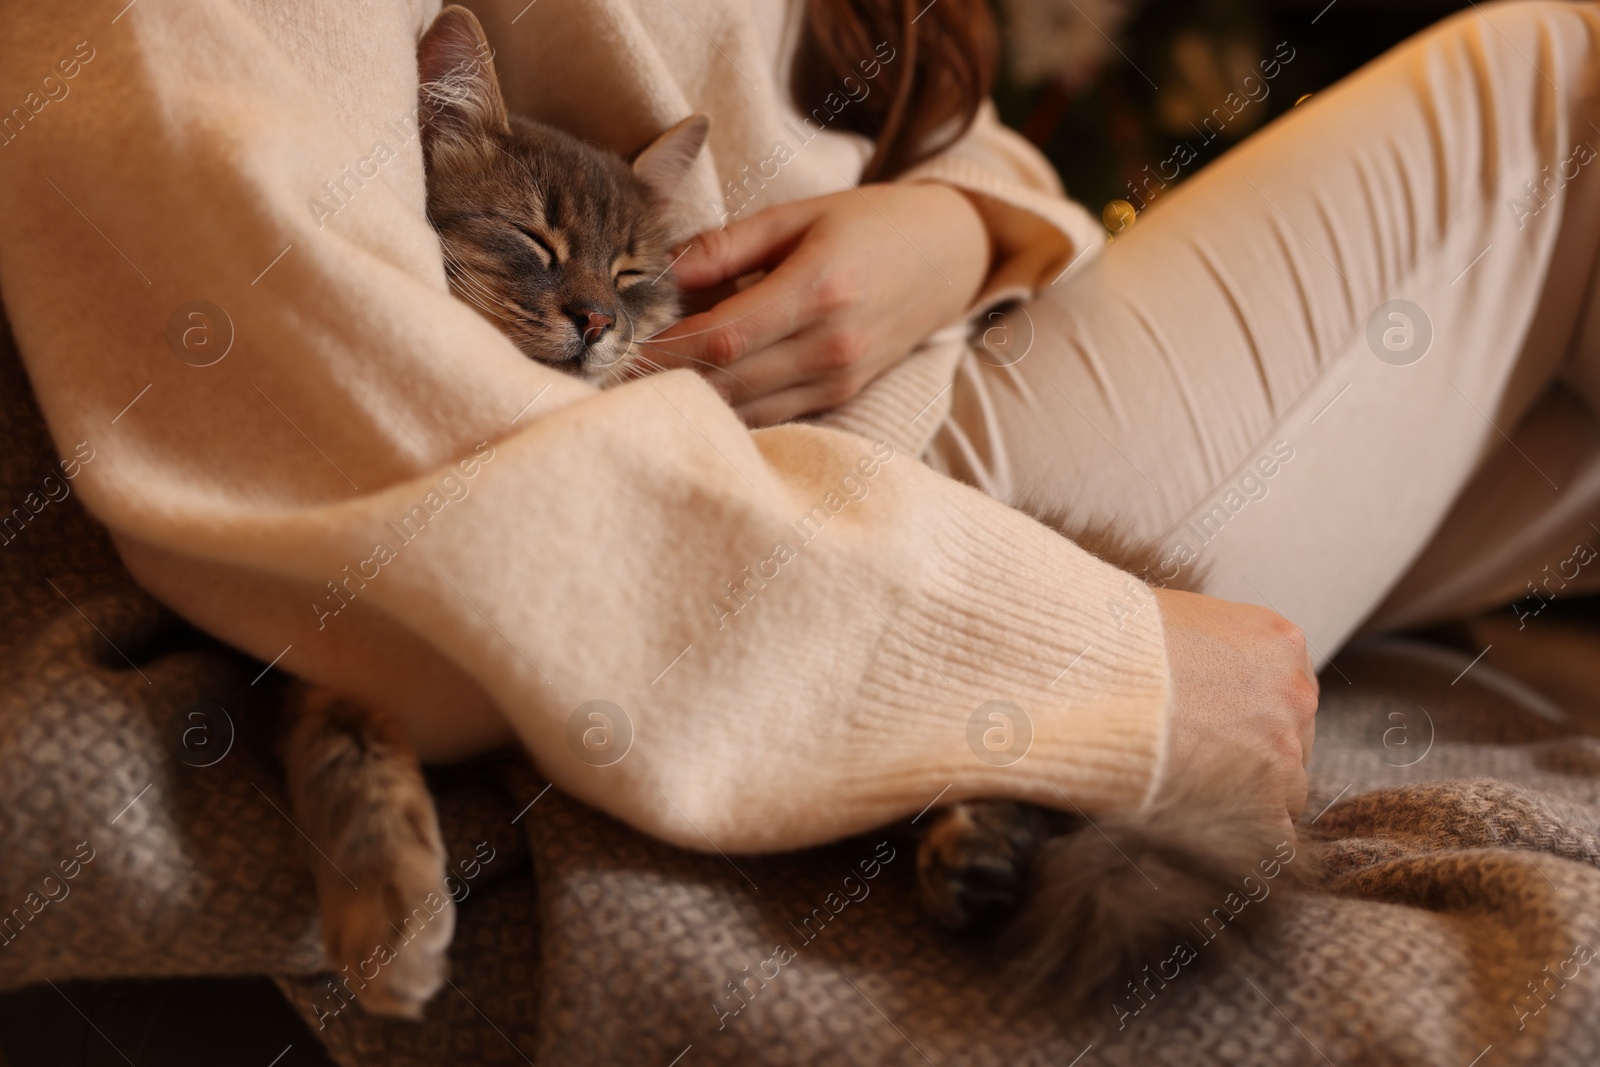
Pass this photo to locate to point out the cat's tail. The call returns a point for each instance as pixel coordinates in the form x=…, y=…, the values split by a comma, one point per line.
x=1130, y=899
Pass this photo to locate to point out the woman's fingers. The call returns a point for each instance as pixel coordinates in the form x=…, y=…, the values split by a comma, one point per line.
x=754, y=318
x=795, y=295
x=746, y=322
x=772, y=370
x=828, y=360
x=847, y=294
x=761, y=240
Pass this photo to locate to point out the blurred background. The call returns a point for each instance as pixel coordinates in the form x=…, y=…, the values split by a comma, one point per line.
x=1107, y=88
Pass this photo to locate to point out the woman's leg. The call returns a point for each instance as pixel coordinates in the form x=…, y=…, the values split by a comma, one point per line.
x=1296, y=363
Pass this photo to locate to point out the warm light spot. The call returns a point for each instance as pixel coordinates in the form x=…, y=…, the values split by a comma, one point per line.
x=1118, y=216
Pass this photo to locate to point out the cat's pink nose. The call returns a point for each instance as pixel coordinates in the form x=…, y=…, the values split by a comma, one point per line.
x=593, y=324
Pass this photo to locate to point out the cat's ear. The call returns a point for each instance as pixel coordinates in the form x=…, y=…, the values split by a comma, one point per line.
x=664, y=162
x=459, y=92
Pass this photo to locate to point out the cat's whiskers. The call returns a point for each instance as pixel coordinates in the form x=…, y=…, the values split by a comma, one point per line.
x=481, y=295
x=699, y=333
x=644, y=362
x=468, y=283
x=461, y=289
x=471, y=285
x=620, y=369
x=459, y=270
x=645, y=342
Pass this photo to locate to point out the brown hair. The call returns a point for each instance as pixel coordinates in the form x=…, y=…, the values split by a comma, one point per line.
x=942, y=69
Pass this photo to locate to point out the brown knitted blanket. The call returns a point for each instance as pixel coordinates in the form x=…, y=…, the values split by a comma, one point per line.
x=143, y=832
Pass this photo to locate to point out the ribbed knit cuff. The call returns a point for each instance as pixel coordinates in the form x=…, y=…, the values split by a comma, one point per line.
x=1072, y=648
x=905, y=404
x=1037, y=234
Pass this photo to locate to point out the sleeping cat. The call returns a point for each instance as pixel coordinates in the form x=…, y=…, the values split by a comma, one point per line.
x=562, y=246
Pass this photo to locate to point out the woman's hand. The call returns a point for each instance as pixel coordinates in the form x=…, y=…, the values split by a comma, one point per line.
x=857, y=280
x=1244, y=697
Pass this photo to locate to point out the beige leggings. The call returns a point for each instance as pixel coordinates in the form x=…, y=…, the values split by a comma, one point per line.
x=1235, y=378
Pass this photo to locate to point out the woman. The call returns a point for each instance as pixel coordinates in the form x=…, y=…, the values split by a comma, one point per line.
x=1208, y=381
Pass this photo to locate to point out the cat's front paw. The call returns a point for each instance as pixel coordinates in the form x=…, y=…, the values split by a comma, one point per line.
x=973, y=861
x=387, y=915
x=361, y=800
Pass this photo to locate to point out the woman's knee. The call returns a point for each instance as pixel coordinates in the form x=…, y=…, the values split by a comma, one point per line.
x=1527, y=30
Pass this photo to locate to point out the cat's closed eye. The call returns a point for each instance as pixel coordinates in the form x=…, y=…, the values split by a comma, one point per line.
x=623, y=276
x=547, y=254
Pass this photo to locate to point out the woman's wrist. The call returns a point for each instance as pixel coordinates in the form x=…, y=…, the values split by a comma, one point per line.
x=1244, y=698
x=967, y=219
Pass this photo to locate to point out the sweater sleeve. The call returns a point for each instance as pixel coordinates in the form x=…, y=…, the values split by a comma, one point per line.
x=1037, y=232
x=218, y=270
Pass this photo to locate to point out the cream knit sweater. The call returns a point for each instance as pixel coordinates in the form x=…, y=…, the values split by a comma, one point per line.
x=338, y=467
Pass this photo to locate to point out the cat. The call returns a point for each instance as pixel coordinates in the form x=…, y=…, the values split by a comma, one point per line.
x=562, y=246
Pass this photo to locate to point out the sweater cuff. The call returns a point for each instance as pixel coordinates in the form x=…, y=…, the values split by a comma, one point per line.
x=907, y=403
x=1037, y=236
x=1048, y=666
